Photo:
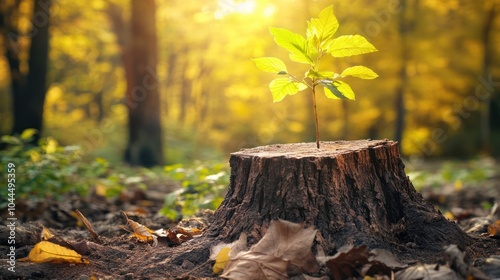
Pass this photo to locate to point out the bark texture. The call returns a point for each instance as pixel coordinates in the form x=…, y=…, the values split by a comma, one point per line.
x=29, y=86
x=351, y=191
x=144, y=146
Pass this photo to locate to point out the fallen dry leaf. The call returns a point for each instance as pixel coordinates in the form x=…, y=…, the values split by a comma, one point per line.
x=283, y=244
x=187, y=234
x=254, y=266
x=88, y=226
x=141, y=232
x=491, y=266
x=428, y=272
x=48, y=252
x=387, y=258
x=175, y=236
x=46, y=233
x=348, y=261
x=494, y=229
x=456, y=268
x=174, y=239
x=381, y=262
x=289, y=241
x=457, y=261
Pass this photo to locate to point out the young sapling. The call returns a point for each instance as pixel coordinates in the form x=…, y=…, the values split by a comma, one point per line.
x=318, y=43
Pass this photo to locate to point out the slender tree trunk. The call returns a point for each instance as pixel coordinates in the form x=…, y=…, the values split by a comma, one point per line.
x=172, y=67
x=29, y=89
x=142, y=97
x=204, y=95
x=485, y=125
x=186, y=88
x=406, y=25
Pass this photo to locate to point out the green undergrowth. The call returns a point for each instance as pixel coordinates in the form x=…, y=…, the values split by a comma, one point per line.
x=203, y=186
x=51, y=171
x=47, y=169
x=452, y=172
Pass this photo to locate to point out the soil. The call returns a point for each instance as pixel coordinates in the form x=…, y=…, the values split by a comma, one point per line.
x=122, y=257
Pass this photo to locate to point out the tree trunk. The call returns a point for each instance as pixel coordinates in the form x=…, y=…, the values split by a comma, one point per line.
x=351, y=191
x=29, y=89
x=485, y=126
x=407, y=20
x=142, y=98
x=186, y=88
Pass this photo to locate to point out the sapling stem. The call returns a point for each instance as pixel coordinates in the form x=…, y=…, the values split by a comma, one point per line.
x=315, y=116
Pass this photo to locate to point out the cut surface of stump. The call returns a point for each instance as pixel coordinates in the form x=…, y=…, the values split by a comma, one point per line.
x=353, y=192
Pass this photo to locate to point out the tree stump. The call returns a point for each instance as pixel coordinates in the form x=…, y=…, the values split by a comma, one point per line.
x=353, y=192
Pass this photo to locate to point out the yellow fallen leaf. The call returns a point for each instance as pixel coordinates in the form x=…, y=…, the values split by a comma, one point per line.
x=221, y=260
x=142, y=233
x=46, y=233
x=48, y=252
x=448, y=215
x=222, y=252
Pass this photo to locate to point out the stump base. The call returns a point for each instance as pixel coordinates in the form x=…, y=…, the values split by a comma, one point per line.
x=351, y=191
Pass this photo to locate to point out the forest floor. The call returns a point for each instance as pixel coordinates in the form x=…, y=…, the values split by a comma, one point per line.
x=119, y=256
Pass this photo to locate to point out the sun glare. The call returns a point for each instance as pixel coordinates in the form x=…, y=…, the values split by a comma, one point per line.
x=269, y=11
x=226, y=7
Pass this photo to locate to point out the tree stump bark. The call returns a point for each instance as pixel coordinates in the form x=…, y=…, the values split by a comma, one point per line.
x=352, y=191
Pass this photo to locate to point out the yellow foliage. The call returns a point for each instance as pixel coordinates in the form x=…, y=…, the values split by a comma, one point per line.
x=442, y=7
x=35, y=156
x=207, y=73
x=221, y=260
x=48, y=252
x=417, y=141
x=51, y=145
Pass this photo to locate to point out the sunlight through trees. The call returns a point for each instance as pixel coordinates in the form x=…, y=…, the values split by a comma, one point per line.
x=438, y=64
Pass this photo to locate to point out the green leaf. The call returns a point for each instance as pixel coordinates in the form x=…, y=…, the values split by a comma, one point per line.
x=292, y=42
x=312, y=51
x=27, y=134
x=271, y=65
x=349, y=45
x=312, y=74
x=321, y=74
x=301, y=86
x=359, y=71
x=338, y=90
x=281, y=87
x=323, y=27
x=10, y=140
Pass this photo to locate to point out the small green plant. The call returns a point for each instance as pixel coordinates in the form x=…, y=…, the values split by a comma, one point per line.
x=203, y=187
x=311, y=50
x=48, y=169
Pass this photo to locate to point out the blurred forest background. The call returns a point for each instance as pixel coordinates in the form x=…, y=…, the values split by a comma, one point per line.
x=173, y=81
